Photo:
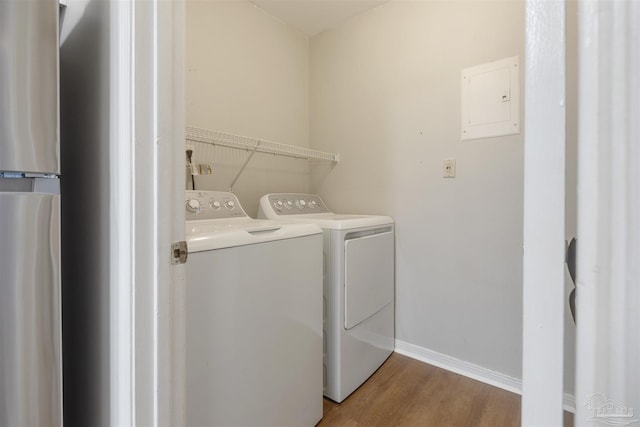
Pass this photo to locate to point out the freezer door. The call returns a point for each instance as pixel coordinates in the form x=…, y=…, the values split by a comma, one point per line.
x=29, y=86
x=30, y=325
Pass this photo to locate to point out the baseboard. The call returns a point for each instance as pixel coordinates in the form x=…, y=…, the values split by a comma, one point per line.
x=470, y=370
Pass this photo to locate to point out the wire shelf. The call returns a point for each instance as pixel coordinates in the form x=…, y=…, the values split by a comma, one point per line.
x=256, y=145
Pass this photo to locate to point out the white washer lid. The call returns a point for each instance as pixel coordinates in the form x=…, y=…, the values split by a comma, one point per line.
x=334, y=221
x=206, y=235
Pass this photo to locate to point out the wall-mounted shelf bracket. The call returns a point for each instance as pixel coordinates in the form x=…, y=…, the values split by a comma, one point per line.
x=244, y=165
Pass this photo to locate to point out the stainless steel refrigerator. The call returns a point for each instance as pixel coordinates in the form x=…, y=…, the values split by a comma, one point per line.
x=30, y=312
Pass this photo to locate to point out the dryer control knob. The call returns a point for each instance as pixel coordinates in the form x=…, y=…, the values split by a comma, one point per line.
x=229, y=204
x=288, y=204
x=313, y=204
x=279, y=205
x=216, y=204
x=301, y=204
x=193, y=206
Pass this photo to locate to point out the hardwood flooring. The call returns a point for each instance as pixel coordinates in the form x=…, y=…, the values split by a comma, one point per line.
x=406, y=392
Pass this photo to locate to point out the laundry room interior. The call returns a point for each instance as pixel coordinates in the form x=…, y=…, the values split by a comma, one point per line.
x=378, y=92
x=382, y=89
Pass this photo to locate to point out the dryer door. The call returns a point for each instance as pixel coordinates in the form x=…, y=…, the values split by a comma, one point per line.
x=369, y=276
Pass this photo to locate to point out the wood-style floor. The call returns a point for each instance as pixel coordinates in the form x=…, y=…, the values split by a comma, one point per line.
x=406, y=392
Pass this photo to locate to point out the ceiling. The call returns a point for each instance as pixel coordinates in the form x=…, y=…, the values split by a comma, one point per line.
x=314, y=16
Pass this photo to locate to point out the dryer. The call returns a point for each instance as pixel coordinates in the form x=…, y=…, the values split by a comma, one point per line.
x=253, y=317
x=358, y=287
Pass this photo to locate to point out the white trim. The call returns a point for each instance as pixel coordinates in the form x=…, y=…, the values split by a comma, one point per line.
x=608, y=272
x=146, y=272
x=121, y=218
x=169, y=197
x=470, y=370
x=159, y=183
x=170, y=214
x=544, y=214
x=461, y=367
x=158, y=282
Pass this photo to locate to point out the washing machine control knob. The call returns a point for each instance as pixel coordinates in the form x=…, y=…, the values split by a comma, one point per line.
x=193, y=205
x=288, y=204
x=216, y=204
x=312, y=204
x=301, y=204
x=229, y=204
x=278, y=205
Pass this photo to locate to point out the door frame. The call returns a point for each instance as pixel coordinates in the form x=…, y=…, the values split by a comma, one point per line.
x=609, y=62
x=544, y=214
x=146, y=194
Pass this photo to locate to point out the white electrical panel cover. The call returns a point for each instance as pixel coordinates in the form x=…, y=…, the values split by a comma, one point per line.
x=490, y=96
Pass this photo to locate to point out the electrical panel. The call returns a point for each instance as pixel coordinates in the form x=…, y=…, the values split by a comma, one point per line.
x=490, y=99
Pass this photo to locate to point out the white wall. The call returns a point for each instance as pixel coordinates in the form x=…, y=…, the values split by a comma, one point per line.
x=385, y=94
x=247, y=74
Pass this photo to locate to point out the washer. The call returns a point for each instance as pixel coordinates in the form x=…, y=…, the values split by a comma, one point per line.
x=358, y=287
x=253, y=317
